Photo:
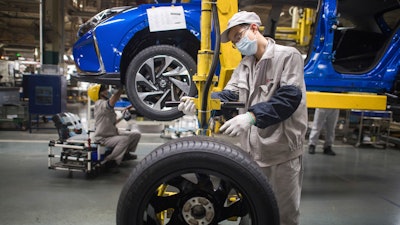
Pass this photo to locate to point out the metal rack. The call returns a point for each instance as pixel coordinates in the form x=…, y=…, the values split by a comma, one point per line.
x=370, y=127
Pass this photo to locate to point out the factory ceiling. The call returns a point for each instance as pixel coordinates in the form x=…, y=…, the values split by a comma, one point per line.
x=20, y=22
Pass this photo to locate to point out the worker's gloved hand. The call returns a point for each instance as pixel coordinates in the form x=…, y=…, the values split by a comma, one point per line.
x=127, y=115
x=187, y=106
x=238, y=124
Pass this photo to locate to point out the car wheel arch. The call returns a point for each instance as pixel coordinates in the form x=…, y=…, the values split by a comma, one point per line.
x=182, y=39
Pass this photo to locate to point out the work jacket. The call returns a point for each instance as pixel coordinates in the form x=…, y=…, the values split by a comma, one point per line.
x=105, y=120
x=274, y=90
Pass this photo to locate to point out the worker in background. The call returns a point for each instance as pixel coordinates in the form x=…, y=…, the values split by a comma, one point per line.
x=106, y=132
x=323, y=118
x=273, y=123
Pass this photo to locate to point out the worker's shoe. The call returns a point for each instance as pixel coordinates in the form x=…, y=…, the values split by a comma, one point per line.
x=328, y=151
x=311, y=149
x=129, y=156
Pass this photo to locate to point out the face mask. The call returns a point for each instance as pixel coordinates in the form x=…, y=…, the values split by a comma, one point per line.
x=247, y=46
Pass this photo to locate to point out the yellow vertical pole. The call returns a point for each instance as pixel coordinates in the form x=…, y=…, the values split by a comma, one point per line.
x=204, y=54
x=204, y=57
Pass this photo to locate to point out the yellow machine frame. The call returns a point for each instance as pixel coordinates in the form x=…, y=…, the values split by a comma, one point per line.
x=300, y=31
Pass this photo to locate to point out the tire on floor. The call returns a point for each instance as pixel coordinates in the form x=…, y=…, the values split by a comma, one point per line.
x=197, y=180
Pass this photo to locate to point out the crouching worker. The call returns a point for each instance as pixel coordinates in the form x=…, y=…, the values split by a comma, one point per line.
x=106, y=132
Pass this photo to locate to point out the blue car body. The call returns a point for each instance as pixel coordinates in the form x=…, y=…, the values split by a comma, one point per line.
x=100, y=50
x=320, y=75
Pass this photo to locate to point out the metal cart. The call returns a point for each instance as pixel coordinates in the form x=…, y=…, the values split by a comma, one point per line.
x=74, y=151
x=369, y=127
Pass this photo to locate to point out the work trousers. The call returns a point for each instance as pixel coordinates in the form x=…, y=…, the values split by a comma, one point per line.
x=121, y=144
x=324, y=118
x=286, y=181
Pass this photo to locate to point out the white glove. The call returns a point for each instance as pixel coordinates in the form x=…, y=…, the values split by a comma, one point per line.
x=187, y=106
x=238, y=124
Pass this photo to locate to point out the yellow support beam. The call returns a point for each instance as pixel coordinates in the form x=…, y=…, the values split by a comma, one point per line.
x=361, y=101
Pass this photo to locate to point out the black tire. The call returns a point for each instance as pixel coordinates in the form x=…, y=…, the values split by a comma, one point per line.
x=203, y=173
x=148, y=89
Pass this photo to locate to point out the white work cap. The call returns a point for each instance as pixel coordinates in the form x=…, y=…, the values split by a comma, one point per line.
x=242, y=17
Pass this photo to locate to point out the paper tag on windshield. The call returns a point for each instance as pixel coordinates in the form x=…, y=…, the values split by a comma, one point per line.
x=166, y=18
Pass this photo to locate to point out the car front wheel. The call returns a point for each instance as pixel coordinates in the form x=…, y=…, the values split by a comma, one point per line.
x=158, y=74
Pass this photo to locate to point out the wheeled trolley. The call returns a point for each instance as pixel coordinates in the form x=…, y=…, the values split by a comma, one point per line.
x=74, y=151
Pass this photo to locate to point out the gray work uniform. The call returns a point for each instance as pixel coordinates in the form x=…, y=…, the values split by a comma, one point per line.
x=324, y=118
x=277, y=148
x=107, y=134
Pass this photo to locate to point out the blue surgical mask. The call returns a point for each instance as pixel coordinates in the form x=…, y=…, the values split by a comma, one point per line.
x=247, y=46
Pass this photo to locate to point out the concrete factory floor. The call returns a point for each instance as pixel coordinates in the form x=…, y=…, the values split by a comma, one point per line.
x=358, y=186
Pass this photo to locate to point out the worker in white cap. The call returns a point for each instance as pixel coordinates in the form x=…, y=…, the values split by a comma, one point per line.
x=273, y=123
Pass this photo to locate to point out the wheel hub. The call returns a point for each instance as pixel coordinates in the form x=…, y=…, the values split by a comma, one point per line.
x=198, y=211
x=163, y=83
